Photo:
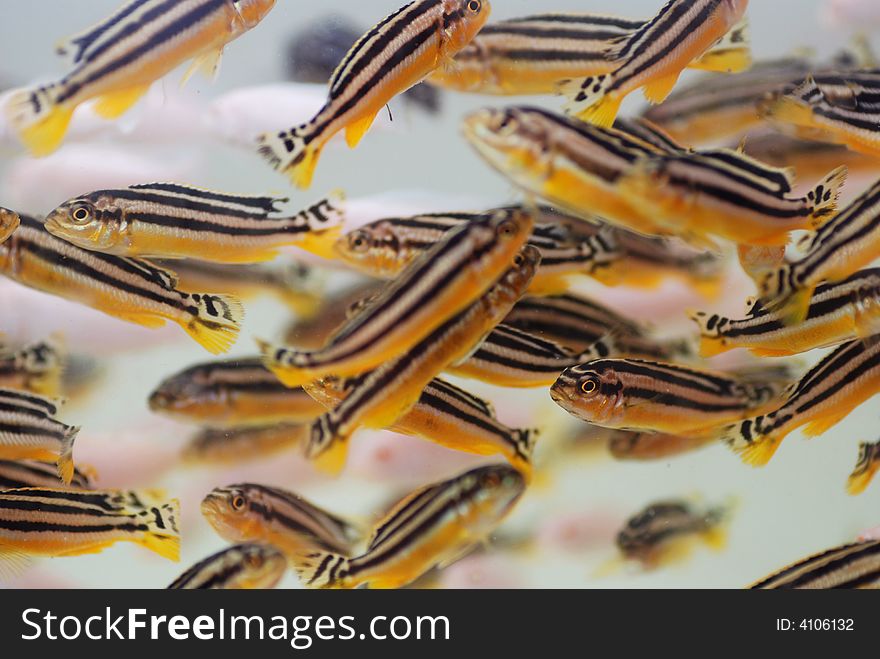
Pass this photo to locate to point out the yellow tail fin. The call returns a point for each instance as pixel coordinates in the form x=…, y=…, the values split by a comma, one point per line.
x=41, y=125
x=290, y=376
x=65, y=458
x=289, y=153
x=218, y=322
x=327, y=447
x=825, y=196
x=589, y=99
x=313, y=571
x=321, y=242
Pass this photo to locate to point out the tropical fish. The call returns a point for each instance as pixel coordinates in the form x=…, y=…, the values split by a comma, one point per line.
x=231, y=394
x=389, y=59
x=654, y=56
x=233, y=446
x=854, y=565
x=129, y=289
x=433, y=526
x=256, y=513
x=117, y=61
x=36, y=368
x=390, y=391
x=820, y=400
x=17, y=474
x=242, y=567
x=51, y=522
x=837, y=313
x=169, y=220
x=865, y=469
x=445, y=280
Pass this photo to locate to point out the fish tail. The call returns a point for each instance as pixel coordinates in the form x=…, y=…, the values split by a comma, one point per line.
x=282, y=363
x=41, y=124
x=754, y=447
x=322, y=569
x=712, y=343
x=865, y=469
x=162, y=535
x=796, y=306
x=324, y=222
x=327, y=447
x=589, y=99
x=824, y=197
x=65, y=457
x=217, y=323
x=786, y=109
x=291, y=154
x=524, y=440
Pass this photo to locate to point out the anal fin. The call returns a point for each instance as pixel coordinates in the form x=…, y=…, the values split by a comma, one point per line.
x=356, y=130
x=114, y=104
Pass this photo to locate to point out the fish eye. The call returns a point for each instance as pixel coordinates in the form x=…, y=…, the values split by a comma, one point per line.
x=237, y=502
x=255, y=561
x=590, y=386
x=474, y=6
x=506, y=229
x=358, y=241
x=491, y=480
x=81, y=214
x=518, y=260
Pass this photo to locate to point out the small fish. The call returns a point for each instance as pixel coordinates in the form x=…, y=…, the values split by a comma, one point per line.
x=296, y=285
x=838, y=107
x=17, y=474
x=257, y=513
x=854, y=565
x=448, y=416
x=9, y=221
x=820, y=400
x=389, y=59
x=55, y=523
x=36, y=368
x=533, y=54
x=649, y=447
x=654, y=535
x=445, y=280
x=169, y=220
x=117, y=61
x=390, y=391
x=385, y=247
x=842, y=246
x=865, y=469
x=231, y=394
x=30, y=431
x=129, y=289
x=639, y=395
x=234, y=446
x=433, y=526
x=242, y=567
x=837, y=313
x=654, y=56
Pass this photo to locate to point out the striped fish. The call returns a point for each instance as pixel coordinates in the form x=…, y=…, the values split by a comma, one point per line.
x=242, y=567
x=448, y=416
x=129, y=289
x=17, y=474
x=231, y=394
x=445, y=280
x=30, y=431
x=395, y=55
x=431, y=527
x=837, y=313
x=117, y=61
x=638, y=395
x=169, y=220
x=647, y=447
x=36, y=368
x=532, y=55
x=842, y=246
x=865, y=469
x=838, y=107
x=579, y=323
x=54, y=523
x=9, y=221
x=256, y=513
x=855, y=565
x=822, y=398
x=234, y=446
x=653, y=536
x=385, y=247
x=655, y=55
x=390, y=391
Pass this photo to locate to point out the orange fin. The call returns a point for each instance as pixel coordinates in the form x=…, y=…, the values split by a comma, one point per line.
x=13, y=563
x=356, y=130
x=206, y=63
x=114, y=104
x=218, y=322
x=142, y=319
x=821, y=426
x=41, y=130
x=590, y=99
x=657, y=90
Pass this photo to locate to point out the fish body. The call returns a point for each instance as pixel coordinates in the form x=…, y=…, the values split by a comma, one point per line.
x=431, y=527
x=865, y=469
x=129, y=289
x=654, y=56
x=242, y=567
x=169, y=220
x=395, y=55
x=117, y=61
x=854, y=565
x=233, y=446
x=54, y=523
x=231, y=394
x=390, y=391
x=18, y=474
x=36, y=368
x=445, y=280
x=838, y=313
x=248, y=512
x=822, y=398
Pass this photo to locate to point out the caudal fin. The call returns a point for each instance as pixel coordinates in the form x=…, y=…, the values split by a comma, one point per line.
x=65, y=457
x=289, y=153
x=281, y=361
x=589, y=99
x=323, y=226
x=753, y=447
x=327, y=447
x=712, y=343
x=523, y=447
x=322, y=570
x=824, y=197
x=217, y=322
x=163, y=532
x=866, y=467
x=40, y=124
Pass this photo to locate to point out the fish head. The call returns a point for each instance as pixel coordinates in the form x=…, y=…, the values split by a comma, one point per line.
x=93, y=222
x=513, y=140
x=188, y=392
x=462, y=20
x=229, y=512
x=489, y=493
x=9, y=221
x=516, y=280
x=512, y=225
x=265, y=566
x=328, y=391
x=591, y=391
x=375, y=249
x=657, y=522
x=251, y=12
